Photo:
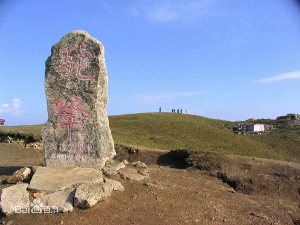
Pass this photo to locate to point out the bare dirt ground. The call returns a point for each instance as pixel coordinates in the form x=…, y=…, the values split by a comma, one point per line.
x=184, y=188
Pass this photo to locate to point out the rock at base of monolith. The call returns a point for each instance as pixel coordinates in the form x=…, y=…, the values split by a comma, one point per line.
x=133, y=174
x=14, y=198
x=19, y=175
x=116, y=185
x=87, y=195
x=61, y=201
x=49, y=180
x=77, y=133
x=112, y=168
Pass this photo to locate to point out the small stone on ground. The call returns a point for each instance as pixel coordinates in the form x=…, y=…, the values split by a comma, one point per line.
x=133, y=174
x=139, y=164
x=37, y=195
x=19, y=175
x=117, y=186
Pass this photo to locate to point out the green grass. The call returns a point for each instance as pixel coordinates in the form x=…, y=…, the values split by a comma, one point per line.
x=172, y=131
x=285, y=143
x=179, y=131
x=34, y=129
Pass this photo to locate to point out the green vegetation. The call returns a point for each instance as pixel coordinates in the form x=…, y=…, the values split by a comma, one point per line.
x=172, y=131
x=285, y=142
x=179, y=131
x=35, y=130
x=18, y=135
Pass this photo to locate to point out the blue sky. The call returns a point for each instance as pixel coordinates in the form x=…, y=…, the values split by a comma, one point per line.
x=225, y=59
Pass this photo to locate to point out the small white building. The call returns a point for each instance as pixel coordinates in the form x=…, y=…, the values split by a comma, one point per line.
x=258, y=127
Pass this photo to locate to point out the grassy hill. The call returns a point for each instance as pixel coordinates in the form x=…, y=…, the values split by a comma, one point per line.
x=178, y=131
x=29, y=129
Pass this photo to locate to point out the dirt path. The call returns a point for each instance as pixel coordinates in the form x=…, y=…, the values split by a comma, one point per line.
x=182, y=195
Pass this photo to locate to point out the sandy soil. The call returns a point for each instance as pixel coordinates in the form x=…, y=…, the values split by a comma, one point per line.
x=210, y=188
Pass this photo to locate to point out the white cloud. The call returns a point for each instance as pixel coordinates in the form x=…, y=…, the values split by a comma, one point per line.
x=17, y=103
x=4, y=105
x=15, y=110
x=285, y=76
x=163, y=96
x=176, y=10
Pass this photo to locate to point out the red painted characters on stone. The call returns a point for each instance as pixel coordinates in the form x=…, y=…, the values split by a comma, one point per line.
x=66, y=62
x=71, y=110
x=69, y=60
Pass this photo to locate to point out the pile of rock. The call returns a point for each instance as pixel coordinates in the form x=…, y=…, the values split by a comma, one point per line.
x=6, y=139
x=62, y=189
x=37, y=145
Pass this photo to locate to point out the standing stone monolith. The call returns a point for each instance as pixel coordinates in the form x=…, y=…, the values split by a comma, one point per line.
x=77, y=132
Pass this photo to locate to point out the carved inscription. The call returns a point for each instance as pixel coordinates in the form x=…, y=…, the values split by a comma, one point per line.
x=71, y=111
x=69, y=60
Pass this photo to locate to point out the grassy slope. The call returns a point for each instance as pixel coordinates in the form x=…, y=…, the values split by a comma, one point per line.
x=175, y=131
x=34, y=129
x=285, y=143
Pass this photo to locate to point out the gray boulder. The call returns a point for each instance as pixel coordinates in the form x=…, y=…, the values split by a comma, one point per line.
x=87, y=195
x=49, y=180
x=61, y=200
x=14, y=197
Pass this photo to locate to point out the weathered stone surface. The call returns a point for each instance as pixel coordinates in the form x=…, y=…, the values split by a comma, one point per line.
x=19, y=175
x=116, y=185
x=112, y=167
x=133, y=174
x=14, y=196
x=87, y=195
x=63, y=200
x=77, y=132
x=49, y=180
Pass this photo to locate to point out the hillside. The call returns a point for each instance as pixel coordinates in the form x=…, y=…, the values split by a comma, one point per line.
x=179, y=131
x=172, y=131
